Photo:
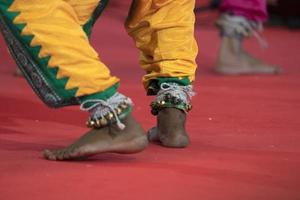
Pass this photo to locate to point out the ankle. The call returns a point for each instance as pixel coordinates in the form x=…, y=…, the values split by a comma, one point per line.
x=107, y=112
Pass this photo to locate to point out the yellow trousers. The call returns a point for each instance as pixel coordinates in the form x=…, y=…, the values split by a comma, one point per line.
x=50, y=42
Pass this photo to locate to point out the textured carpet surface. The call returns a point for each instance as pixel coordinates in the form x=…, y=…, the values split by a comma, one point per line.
x=245, y=131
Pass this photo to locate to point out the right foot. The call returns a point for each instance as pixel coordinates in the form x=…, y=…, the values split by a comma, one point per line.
x=233, y=60
x=107, y=139
x=170, y=130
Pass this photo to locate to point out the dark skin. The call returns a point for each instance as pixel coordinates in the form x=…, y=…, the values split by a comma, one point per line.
x=170, y=130
x=234, y=60
x=108, y=139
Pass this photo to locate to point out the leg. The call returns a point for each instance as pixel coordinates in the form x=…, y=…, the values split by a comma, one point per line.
x=254, y=10
x=86, y=12
x=64, y=69
x=163, y=30
x=238, y=21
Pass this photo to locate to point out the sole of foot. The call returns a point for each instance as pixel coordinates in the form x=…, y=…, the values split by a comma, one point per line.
x=170, y=130
x=109, y=139
x=253, y=70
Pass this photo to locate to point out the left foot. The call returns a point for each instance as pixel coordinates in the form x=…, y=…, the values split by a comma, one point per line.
x=170, y=130
x=107, y=139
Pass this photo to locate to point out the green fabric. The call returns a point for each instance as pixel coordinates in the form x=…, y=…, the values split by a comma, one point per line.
x=185, y=81
x=154, y=85
x=104, y=95
x=49, y=74
x=126, y=112
x=87, y=27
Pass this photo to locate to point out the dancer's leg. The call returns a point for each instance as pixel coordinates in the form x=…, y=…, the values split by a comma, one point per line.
x=163, y=30
x=48, y=42
x=87, y=13
x=255, y=10
x=241, y=19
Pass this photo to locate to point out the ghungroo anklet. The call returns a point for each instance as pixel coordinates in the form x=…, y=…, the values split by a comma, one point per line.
x=172, y=95
x=104, y=113
x=240, y=27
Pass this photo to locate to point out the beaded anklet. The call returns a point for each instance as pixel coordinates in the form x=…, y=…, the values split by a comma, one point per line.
x=172, y=95
x=104, y=113
x=240, y=27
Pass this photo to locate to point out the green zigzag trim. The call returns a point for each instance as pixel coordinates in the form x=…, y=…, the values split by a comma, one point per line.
x=87, y=27
x=4, y=5
x=101, y=95
x=49, y=73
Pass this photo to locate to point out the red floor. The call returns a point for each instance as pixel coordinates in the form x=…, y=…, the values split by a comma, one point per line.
x=245, y=132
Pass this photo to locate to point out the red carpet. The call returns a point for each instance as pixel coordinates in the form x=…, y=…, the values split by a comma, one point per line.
x=245, y=132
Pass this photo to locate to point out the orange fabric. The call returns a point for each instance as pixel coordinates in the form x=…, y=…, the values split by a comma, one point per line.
x=163, y=30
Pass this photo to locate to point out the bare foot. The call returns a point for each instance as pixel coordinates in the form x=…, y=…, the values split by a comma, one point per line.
x=170, y=130
x=108, y=139
x=233, y=60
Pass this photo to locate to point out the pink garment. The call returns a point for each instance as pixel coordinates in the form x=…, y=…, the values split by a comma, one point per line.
x=252, y=9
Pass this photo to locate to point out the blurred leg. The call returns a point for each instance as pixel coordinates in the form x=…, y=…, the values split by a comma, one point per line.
x=239, y=20
x=255, y=10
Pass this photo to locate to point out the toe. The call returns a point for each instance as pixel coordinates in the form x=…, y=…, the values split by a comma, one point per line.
x=60, y=154
x=66, y=155
x=153, y=135
x=49, y=155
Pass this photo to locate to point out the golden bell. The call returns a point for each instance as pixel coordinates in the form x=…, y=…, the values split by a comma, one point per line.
x=88, y=124
x=91, y=123
x=103, y=121
x=109, y=116
x=118, y=111
x=124, y=105
x=98, y=123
